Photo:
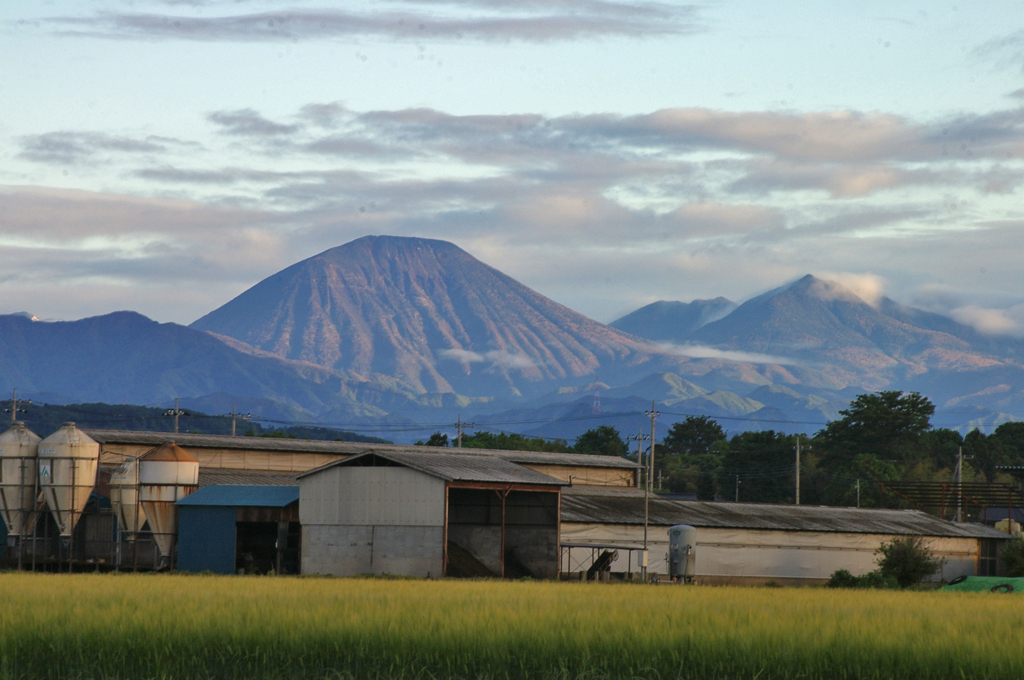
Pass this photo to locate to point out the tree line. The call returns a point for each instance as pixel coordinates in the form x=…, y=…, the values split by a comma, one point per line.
x=881, y=436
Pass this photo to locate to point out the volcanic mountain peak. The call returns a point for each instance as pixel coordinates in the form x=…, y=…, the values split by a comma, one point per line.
x=825, y=323
x=425, y=312
x=673, y=321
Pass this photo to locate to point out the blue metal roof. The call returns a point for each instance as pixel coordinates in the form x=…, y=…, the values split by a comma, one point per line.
x=243, y=496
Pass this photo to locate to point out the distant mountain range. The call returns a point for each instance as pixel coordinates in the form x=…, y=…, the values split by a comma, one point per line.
x=394, y=331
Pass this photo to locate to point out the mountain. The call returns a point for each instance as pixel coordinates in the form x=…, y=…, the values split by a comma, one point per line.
x=665, y=321
x=819, y=323
x=124, y=357
x=427, y=314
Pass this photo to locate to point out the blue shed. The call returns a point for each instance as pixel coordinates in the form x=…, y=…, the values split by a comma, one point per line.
x=230, y=529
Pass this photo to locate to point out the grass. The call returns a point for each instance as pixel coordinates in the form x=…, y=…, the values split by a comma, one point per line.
x=147, y=626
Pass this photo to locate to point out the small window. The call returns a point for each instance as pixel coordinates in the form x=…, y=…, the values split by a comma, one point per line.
x=988, y=557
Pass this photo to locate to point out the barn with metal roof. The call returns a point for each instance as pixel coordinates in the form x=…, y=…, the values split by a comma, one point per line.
x=247, y=528
x=278, y=455
x=429, y=514
x=756, y=542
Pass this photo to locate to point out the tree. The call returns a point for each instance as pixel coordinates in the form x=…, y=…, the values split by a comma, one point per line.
x=878, y=436
x=764, y=460
x=691, y=452
x=602, y=441
x=907, y=560
x=512, y=442
x=883, y=424
x=695, y=435
x=1012, y=555
x=436, y=439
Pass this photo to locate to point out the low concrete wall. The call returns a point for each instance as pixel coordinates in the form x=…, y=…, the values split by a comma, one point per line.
x=346, y=550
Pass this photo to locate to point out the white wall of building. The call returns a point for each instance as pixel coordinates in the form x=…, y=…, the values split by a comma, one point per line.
x=744, y=554
x=372, y=520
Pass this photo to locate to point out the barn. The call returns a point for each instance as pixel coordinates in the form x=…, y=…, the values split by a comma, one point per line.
x=757, y=542
x=232, y=528
x=429, y=514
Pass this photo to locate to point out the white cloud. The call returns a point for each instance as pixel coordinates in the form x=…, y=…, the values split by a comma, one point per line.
x=497, y=358
x=703, y=352
x=471, y=21
x=991, y=321
x=837, y=285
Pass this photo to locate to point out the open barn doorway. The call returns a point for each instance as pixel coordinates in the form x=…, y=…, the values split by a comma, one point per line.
x=502, y=531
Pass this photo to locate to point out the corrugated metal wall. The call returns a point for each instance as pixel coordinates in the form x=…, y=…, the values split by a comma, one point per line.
x=206, y=539
x=371, y=496
x=372, y=520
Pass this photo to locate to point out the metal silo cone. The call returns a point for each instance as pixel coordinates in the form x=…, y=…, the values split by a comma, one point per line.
x=68, y=461
x=167, y=474
x=124, y=496
x=18, y=491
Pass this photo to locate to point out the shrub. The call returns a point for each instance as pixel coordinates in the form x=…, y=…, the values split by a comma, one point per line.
x=1013, y=556
x=875, y=579
x=841, y=578
x=906, y=560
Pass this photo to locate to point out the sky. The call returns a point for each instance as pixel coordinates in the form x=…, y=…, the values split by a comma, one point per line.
x=164, y=156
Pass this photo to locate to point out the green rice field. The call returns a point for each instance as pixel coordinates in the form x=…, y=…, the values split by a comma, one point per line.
x=176, y=626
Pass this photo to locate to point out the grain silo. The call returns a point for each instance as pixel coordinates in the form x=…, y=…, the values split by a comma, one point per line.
x=167, y=474
x=18, y=489
x=68, y=461
x=124, y=496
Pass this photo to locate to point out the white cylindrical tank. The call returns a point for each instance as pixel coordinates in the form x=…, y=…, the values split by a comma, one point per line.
x=124, y=496
x=68, y=461
x=682, y=552
x=167, y=474
x=18, y=494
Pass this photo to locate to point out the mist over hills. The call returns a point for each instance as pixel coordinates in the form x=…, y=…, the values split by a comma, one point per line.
x=396, y=331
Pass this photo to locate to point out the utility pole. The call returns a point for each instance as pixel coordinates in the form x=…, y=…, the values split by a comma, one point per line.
x=235, y=417
x=959, y=480
x=797, y=496
x=858, y=493
x=14, y=410
x=737, y=488
x=461, y=425
x=175, y=412
x=652, y=414
x=640, y=437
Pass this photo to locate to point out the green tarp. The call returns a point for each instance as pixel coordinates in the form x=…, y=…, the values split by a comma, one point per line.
x=984, y=584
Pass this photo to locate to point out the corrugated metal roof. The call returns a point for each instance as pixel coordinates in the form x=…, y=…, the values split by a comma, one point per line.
x=218, y=441
x=213, y=476
x=169, y=451
x=454, y=467
x=595, y=508
x=243, y=496
x=570, y=459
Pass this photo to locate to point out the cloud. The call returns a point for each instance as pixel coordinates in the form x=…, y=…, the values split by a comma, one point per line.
x=66, y=147
x=657, y=206
x=486, y=21
x=841, y=285
x=496, y=358
x=841, y=181
x=704, y=352
x=712, y=218
x=991, y=321
x=249, y=123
